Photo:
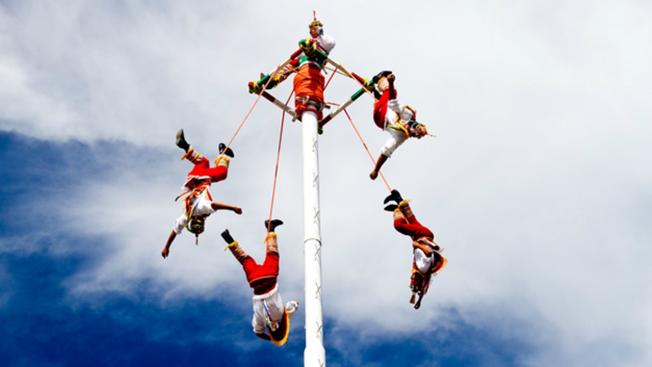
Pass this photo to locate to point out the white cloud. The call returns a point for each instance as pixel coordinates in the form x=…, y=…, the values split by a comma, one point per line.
x=536, y=184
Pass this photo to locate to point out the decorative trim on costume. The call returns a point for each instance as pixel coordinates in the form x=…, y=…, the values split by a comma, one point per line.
x=286, y=333
x=260, y=297
x=399, y=126
x=222, y=160
x=192, y=155
x=440, y=265
x=232, y=245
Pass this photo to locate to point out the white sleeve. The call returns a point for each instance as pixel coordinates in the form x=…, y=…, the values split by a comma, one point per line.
x=180, y=224
x=424, y=263
x=327, y=43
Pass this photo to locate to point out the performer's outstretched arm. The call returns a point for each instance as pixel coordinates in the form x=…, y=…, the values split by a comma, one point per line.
x=166, y=249
x=221, y=206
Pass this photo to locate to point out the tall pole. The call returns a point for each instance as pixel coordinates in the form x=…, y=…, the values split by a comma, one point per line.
x=314, y=355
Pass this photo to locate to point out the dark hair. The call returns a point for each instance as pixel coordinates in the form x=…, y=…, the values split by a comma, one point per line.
x=196, y=225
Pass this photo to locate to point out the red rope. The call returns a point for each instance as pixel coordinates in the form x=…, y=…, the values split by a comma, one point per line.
x=373, y=160
x=253, y=105
x=278, y=159
x=330, y=78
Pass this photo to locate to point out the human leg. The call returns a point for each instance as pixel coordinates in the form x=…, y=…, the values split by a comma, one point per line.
x=238, y=252
x=181, y=141
x=407, y=223
x=379, y=163
x=380, y=109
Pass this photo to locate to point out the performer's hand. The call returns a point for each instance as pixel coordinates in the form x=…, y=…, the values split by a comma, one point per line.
x=165, y=252
x=391, y=78
x=237, y=210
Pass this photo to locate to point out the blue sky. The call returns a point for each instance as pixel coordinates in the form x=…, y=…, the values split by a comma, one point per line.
x=45, y=325
x=537, y=184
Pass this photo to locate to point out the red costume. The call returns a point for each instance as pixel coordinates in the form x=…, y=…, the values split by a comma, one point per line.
x=309, y=90
x=261, y=277
x=380, y=107
x=427, y=258
x=203, y=170
x=271, y=319
x=410, y=226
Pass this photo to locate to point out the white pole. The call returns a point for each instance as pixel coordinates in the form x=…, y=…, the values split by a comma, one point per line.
x=314, y=355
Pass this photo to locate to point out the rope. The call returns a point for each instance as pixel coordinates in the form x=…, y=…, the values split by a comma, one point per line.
x=336, y=70
x=330, y=78
x=278, y=159
x=373, y=160
x=253, y=105
x=339, y=67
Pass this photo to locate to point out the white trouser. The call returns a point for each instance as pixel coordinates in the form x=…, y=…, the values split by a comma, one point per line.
x=396, y=138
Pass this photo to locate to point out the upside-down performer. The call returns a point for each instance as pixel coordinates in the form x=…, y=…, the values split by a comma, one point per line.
x=271, y=319
x=309, y=65
x=197, y=201
x=427, y=259
x=397, y=120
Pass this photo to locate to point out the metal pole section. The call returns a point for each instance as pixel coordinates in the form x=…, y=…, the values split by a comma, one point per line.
x=314, y=355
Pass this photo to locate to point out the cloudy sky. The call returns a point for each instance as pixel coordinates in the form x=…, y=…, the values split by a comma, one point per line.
x=537, y=184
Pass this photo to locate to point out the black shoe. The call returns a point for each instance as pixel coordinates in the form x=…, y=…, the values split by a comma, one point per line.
x=227, y=236
x=271, y=226
x=391, y=207
x=181, y=141
x=228, y=152
x=382, y=74
x=395, y=195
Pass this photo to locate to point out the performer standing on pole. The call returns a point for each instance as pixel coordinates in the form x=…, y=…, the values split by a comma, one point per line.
x=309, y=81
x=308, y=87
